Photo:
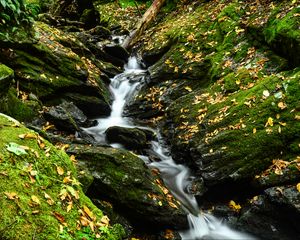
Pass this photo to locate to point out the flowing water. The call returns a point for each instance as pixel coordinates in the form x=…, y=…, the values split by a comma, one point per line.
x=176, y=177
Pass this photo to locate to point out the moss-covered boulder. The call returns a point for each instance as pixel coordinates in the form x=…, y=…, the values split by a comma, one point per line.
x=228, y=94
x=6, y=77
x=124, y=179
x=40, y=195
x=50, y=70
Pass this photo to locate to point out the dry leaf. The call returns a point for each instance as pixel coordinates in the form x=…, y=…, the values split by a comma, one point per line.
x=188, y=89
x=60, y=170
x=11, y=195
x=269, y=122
x=59, y=217
x=234, y=206
x=104, y=221
x=88, y=212
x=281, y=105
x=69, y=207
x=298, y=187
x=254, y=130
x=27, y=136
x=35, y=199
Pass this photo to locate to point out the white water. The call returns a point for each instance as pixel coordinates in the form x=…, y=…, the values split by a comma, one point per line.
x=176, y=177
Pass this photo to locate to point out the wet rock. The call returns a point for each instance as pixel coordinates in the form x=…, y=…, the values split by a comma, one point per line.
x=116, y=51
x=101, y=32
x=267, y=220
x=152, y=56
x=66, y=116
x=91, y=106
x=124, y=179
x=131, y=138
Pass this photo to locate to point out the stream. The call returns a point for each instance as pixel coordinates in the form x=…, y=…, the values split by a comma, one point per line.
x=175, y=176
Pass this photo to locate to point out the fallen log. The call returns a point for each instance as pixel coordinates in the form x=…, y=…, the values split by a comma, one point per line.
x=143, y=23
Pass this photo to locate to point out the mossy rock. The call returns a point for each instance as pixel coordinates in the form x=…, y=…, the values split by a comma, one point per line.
x=6, y=77
x=123, y=178
x=282, y=33
x=22, y=110
x=48, y=74
x=35, y=197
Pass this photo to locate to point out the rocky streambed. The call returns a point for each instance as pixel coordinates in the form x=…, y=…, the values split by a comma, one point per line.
x=221, y=87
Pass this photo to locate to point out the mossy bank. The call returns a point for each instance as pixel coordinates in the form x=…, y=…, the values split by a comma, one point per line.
x=39, y=192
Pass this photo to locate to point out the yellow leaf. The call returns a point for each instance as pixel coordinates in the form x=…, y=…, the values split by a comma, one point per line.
x=298, y=187
x=269, y=122
x=254, y=130
x=88, y=212
x=60, y=170
x=234, y=206
x=281, y=105
x=238, y=82
x=297, y=117
x=27, y=136
x=11, y=195
x=69, y=207
x=35, y=199
x=188, y=89
x=104, y=221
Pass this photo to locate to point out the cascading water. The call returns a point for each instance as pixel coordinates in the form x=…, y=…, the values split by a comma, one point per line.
x=175, y=176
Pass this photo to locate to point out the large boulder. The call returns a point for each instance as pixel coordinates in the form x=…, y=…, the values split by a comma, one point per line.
x=131, y=138
x=124, y=179
x=51, y=71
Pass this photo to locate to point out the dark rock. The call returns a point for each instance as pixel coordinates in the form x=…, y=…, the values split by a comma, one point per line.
x=90, y=105
x=90, y=18
x=66, y=116
x=267, y=220
x=152, y=56
x=116, y=51
x=131, y=138
x=124, y=179
x=101, y=32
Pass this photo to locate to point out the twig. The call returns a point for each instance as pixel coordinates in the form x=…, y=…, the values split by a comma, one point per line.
x=137, y=7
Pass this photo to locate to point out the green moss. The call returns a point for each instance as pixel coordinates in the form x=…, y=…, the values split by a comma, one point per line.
x=27, y=212
x=5, y=71
x=25, y=110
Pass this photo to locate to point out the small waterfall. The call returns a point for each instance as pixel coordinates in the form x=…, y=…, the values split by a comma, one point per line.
x=176, y=176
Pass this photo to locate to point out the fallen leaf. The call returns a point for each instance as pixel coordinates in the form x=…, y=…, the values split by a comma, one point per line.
x=59, y=217
x=254, y=130
x=88, y=212
x=35, y=199
x=69, y=207
x=281, y=105
x=60, y=170
x=11, y=195
x=16, y=148
x=188, y=89
x=269, y=122
x=298, y=187
x=27, y=136
x=234, y=206
x=266, y=93
x=104, y=221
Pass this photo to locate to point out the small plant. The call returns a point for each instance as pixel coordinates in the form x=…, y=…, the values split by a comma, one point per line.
x=16, y=12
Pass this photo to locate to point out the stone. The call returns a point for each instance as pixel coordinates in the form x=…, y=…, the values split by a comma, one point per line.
x=66, y=116
x=117, y=51
x=131, y=138
x=125, y=180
